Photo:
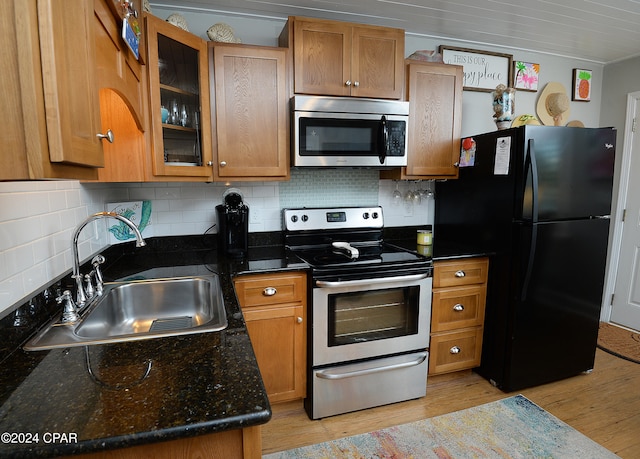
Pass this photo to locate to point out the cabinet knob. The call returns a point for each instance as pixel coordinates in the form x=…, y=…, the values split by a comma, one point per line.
x=109, y=136
x=356, y=83
x=347, y=83
x=454, y=350
x=460, y=273
x=456, y=164
x=458, y=307
x=269, y=291
x=209, y=163
x=223, y=163
x=299, y=320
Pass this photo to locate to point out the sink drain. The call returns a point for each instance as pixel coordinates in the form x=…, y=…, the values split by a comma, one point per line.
x=172, y=323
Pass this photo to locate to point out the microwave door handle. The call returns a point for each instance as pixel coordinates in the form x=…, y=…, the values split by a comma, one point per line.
x=383, y=140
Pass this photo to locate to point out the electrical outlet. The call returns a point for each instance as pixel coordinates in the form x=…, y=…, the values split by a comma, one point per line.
x=255, y=215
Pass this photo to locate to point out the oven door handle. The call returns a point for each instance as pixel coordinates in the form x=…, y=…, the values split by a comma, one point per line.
x=381, y=280
x=334, y=374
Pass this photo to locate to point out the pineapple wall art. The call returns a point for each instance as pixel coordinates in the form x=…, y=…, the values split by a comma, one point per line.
x=582, y=85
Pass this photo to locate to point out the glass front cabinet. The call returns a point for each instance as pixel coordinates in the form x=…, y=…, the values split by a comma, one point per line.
x=179, y=102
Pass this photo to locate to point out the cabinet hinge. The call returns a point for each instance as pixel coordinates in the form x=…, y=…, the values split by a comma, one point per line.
x=612, y=295
x=624, y=214
x=633, y=125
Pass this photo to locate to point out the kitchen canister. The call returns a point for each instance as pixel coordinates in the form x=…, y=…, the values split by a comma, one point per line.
x=425, y=236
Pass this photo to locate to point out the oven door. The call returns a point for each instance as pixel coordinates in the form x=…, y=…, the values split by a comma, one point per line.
x=370, y=318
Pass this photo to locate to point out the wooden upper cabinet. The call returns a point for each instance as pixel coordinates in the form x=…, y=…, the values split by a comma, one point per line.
x=178, y=74
x=251, y=105
x=344, y=59
x=434, y=92
x=68, y=72
x=377, y=62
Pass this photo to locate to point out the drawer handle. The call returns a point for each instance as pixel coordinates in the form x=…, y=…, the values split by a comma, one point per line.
x=458, y=307
x=269, y=291
x=454, y=350
x=460, y=273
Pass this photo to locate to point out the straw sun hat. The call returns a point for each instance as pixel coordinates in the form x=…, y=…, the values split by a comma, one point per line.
x=553, y=105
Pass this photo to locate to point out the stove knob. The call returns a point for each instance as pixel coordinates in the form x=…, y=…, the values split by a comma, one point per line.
x=365, y=215
x=375, y=215
x=294, y=218
x=305, y=218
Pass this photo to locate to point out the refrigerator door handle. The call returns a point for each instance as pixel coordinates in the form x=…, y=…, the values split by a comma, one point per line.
x=530, y=163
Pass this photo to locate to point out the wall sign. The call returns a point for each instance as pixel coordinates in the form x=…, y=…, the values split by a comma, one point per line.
x=483, y=70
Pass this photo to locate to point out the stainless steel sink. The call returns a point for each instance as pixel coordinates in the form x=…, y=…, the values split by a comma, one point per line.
x=138, y=310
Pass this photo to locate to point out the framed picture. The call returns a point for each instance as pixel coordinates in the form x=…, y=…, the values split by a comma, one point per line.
x=581, y=85
x=483, y=70
x=525, y=76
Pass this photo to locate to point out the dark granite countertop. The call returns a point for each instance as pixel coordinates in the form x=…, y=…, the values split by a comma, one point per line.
x=441, y=249
x=119, y=395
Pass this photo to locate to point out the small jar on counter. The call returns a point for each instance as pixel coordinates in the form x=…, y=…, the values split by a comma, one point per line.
x=425, y=236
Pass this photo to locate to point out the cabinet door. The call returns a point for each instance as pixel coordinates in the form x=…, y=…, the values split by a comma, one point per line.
x=251, y=112
x=377, y=68
x=120, y=79
x=322, y=57
x=178, y=82
x=277, y=335
x=70, y=91
x=435, y=96
x=118, y=69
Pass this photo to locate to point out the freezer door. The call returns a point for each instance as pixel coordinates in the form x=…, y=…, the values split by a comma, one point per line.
x=574, y=172
x=557, y=305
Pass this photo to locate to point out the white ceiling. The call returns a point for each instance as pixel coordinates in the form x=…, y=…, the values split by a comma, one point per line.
x=601, y=31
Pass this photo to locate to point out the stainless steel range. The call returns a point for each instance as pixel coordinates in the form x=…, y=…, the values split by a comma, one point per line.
x=370, y=310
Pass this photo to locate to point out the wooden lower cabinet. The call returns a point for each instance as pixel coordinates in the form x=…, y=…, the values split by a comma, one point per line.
x=274, y=308
x=232, y=444
x=457, y=314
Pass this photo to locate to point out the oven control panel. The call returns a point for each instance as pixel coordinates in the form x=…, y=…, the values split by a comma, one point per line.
x=315, y=218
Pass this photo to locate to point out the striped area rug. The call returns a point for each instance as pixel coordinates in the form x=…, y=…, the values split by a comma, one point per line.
x=513, y=427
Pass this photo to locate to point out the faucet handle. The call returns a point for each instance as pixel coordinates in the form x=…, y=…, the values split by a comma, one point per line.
x=69, y=313
x=89, y=290
x=96, y=262
x=81, y=297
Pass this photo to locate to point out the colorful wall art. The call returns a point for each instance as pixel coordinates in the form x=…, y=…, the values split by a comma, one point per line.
x=525, y=76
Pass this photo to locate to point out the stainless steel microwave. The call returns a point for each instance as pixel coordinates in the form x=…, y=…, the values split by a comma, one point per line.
x=349, y=132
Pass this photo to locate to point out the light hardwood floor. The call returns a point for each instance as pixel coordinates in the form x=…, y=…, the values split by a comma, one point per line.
x=603, y=405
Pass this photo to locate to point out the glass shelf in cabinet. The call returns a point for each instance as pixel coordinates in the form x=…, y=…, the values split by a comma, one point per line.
x=177, y=127
x=174, y=90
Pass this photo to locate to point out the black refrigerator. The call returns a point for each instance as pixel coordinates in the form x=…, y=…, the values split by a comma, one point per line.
x=538, y=198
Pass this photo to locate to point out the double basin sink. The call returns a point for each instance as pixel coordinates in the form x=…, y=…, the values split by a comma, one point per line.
x=138, y=310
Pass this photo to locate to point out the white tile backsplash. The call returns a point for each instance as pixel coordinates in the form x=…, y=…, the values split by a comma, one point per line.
x=37, y=219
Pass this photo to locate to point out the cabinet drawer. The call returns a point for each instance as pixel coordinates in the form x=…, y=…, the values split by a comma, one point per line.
x=460, y=272
x=455, y=351
x=264, y=289
x=458, y=307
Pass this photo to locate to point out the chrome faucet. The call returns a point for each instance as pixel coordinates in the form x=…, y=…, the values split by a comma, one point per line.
x=81, y=294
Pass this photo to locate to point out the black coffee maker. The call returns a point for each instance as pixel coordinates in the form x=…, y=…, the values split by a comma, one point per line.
x=233, y=224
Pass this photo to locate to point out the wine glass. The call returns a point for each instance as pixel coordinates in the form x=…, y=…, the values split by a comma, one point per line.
x=396, y=195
